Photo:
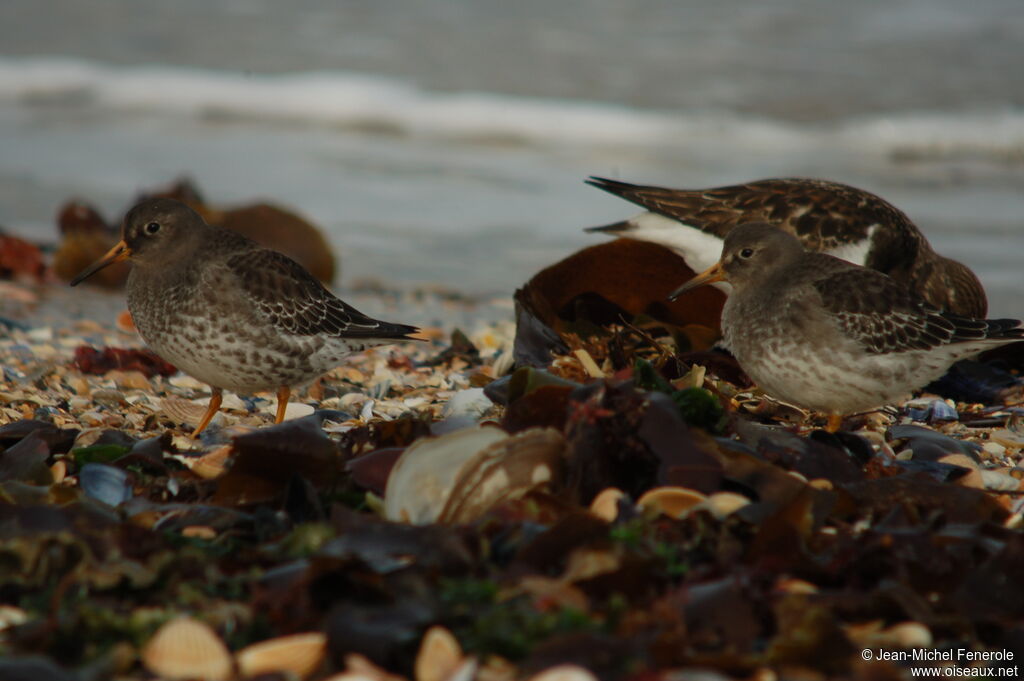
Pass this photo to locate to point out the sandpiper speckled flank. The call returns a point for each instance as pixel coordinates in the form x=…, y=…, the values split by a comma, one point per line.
x=822, y=333
x=229, y=312
x=827, y=217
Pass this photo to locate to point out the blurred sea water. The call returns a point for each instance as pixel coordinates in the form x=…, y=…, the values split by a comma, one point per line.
x=446, y=142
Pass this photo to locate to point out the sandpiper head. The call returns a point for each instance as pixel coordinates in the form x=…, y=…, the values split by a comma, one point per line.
x=748, y=251
x=154, y=230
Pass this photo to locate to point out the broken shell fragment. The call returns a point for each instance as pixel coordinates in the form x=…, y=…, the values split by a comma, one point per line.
x=199, y=532
x=298, y=654
x=211, y=465
x=606, y=504
x=59, y=471
x=185, y=648
x=724, y=504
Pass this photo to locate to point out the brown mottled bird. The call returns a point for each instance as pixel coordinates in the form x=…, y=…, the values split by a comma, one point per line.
x=822, y=333
x=827, y=217
x=229, y=312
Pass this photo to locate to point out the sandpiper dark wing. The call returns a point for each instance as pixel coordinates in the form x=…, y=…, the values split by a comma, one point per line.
x=882, y=316
x=824, y=215
x=295, y=302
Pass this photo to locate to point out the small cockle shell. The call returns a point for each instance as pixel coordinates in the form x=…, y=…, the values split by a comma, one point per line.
x=724, y=504
x=564, y=672
x=907, y=635
x=199, y=532
x=440, y=658
x=184, y=648
x=299, y=654
x=672, y=501
x=11, y=616
x=292, y=410
x=791, y=585
x=184, y=411
x=902, y=635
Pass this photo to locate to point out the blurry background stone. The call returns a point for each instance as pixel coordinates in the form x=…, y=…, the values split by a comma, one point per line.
x=20, y=259
x=611, y=284
x=85, y=236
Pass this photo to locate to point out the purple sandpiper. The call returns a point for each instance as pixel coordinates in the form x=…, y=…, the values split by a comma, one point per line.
x=827, y=217
x=229, y=312
x=819, y=332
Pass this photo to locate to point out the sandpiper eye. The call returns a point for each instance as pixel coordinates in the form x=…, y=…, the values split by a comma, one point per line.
x=153, y=228
x=746, y=252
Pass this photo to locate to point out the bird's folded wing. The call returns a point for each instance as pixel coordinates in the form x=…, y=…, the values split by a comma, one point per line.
x=689, y=207
x=294, y=301
x=882, y=317
x=824, y=215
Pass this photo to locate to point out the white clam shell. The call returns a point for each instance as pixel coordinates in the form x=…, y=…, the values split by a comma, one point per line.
x=422, y=478
x=458, y=476
x=504, y=471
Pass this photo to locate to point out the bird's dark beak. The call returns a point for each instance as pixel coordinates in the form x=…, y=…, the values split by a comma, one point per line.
x=709, y=276
x=119, y=252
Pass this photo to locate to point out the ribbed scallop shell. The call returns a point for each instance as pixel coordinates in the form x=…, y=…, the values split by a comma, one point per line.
x=185, y=648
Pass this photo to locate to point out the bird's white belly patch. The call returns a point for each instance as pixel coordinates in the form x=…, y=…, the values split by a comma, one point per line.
x=857, y=253
x=233, y=363
x=699, y=249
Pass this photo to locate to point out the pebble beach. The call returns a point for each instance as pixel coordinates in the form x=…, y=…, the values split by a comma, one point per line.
x=563, y=479
x=529, y=496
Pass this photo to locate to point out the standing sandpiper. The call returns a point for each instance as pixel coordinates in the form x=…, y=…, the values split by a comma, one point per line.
x=229, y=312
x=821, y=333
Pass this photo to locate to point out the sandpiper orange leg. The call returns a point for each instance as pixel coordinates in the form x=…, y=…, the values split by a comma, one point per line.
x=282, y=402
x=211, y=411
x=835, y=421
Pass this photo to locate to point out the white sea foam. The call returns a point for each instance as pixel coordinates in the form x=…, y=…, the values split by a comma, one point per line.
x=349, y=100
